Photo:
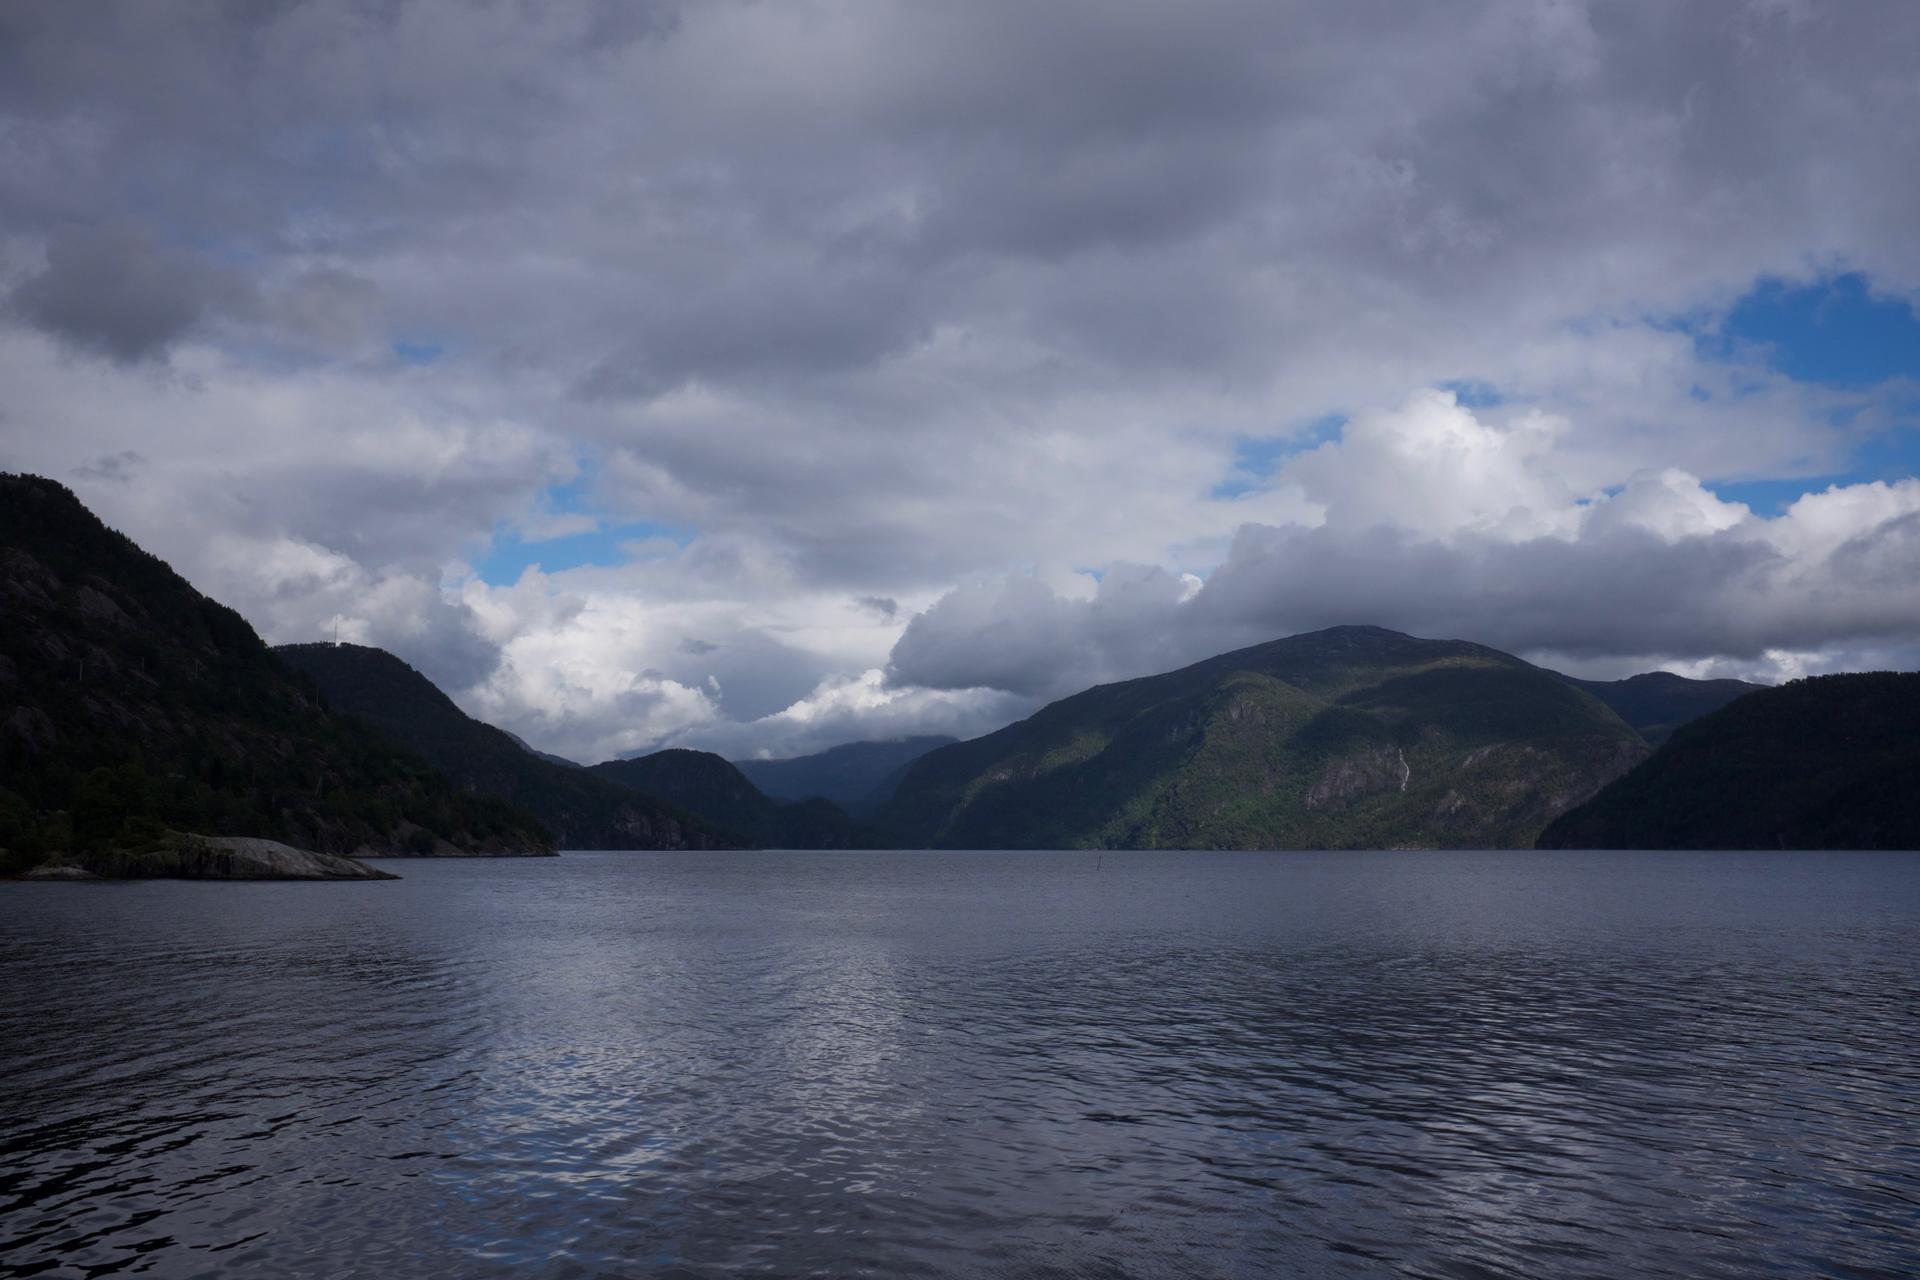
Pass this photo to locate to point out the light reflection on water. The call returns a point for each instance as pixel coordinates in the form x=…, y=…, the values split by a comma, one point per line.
x=972, y=1064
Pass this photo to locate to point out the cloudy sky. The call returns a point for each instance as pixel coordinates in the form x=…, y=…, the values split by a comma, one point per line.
x=760, y=376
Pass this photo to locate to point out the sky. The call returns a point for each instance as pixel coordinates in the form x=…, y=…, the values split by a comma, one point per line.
x=762, y=376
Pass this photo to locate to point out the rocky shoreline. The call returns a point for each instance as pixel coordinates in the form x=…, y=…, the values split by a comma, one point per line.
x=194, y=857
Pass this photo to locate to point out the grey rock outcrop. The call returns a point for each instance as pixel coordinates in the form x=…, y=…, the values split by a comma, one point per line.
x=227, y=858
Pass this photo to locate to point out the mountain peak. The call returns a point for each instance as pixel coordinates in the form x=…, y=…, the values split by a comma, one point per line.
x=1352, y=736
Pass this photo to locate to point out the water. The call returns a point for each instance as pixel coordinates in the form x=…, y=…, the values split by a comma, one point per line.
x=1446, y=1065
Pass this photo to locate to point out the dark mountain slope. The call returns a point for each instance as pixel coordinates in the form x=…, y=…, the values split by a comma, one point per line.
x=582, y=810
x=1824, y=763
x=855, y=774
x=708, y=785
x=1352, y=737
x=548, y=756
x=130, y=704
x=1659, y=702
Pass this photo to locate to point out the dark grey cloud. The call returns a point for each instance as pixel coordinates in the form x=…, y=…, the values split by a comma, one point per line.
x=1627, y=592
x=327, y=309
x=752, y=675
x=764, y=317
x=1020, y=636
x=1619, y=591
x=112, y=289
x=440, y=637
x=116, y=468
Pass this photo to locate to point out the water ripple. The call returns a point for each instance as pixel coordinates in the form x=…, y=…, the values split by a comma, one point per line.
x=1469, y=1065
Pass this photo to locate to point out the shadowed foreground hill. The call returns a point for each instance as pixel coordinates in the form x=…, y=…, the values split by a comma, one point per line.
x=1829, y=762
x=582, y=809
x=708, y=785
x=130, y=704
x=1354, y=737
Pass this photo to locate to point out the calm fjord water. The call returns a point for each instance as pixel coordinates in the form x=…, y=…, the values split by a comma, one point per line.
x=1434, y=1064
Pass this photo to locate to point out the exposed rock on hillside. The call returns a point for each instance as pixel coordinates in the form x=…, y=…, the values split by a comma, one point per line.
x=1353, y=737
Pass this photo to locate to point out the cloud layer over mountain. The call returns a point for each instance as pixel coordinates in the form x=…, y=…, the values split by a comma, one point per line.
x=859, y=368
x=1500, y=551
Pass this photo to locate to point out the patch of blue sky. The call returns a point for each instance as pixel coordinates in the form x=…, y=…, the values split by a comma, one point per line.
x=1471, y=393
x=572, y=497
x=419, y=351
x=1257, y=458
x=1889, y=458
x=508, y=555
x=1836, y=333
x=1766, y=498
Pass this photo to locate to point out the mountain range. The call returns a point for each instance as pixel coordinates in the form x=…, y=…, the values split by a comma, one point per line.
x=143, y=725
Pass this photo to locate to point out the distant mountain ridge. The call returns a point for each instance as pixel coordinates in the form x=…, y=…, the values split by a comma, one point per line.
x=582, y=809
x=1829, y=762
x=1659, y=702
x=548, y=756
x=708, y=785
x=1345, y=738
x=856, y=775
x=132, y=707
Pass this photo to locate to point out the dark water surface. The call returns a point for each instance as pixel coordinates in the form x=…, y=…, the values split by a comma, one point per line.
x=1434, y=1064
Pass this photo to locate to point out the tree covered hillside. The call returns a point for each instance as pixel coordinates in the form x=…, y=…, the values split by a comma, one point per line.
x=1347, y=738
x=1829, y=762
x=130, y=704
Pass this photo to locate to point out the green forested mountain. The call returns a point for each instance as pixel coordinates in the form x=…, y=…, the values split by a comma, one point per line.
x=1347, y=738
x=1828, y=762
x=1659, y=702
x=710, y=786
x=582, y=809
x=855, y=775
x=131, y=704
